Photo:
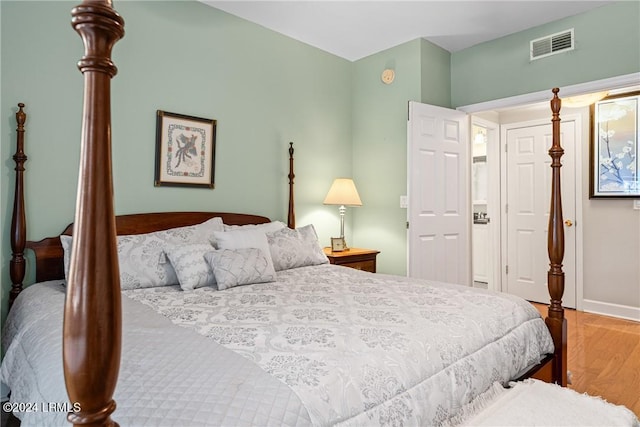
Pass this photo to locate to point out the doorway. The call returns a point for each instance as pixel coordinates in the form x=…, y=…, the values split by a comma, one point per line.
x=489, y=109
x=485, y=202
x=437, y=213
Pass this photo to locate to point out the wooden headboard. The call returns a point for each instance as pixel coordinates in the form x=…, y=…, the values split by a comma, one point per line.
x=49, y=254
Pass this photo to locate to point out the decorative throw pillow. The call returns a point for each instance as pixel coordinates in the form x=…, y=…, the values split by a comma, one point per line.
x=244, y=238
x=66, y=247
x=143, y=263
x=242, y=266
x=295, y=248
x=190, y=266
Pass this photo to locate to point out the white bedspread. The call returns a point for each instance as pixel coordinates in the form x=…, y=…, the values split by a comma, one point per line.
x=325, y=345
x=169, y=376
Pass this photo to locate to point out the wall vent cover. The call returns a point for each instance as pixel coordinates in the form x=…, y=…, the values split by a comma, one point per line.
x=552, y=44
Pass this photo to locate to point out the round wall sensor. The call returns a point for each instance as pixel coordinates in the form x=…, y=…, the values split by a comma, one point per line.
x=387, y=76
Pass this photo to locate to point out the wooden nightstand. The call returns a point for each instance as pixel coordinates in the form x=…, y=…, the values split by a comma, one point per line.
x=360, y=259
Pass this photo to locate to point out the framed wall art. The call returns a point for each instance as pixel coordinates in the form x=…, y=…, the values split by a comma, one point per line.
x=185, y=150
x=614, y=146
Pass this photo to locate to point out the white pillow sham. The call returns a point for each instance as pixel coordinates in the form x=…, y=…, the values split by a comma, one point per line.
x=143, y=263
x=295, y=248
x=191, y=268
x=242, y=266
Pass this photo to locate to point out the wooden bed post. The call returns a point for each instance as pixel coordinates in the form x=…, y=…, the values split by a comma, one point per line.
x=18, y=221
x=555, y=320
x=92, y=315
x=291, y=217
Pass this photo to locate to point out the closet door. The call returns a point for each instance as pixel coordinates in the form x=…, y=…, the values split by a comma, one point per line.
x=528, y=190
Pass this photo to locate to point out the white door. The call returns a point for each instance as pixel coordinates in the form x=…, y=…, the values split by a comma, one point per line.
x=439, y=214
x=528, y=190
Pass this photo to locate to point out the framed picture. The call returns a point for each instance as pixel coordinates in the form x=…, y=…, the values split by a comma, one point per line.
x=614, y=146
x=338, y=244
x=185, y=150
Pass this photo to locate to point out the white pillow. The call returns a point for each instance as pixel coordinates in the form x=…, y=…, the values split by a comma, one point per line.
x=244, y=238
x=295, y=248
x=242, y=266
x=190, y=266
x=143, y=263
x=266, y=227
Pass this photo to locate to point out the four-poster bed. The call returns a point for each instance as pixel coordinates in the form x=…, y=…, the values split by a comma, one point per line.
x=93, y=328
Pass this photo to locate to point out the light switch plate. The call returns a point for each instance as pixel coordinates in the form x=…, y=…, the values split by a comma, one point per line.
x=636, y=204
x=403, y=202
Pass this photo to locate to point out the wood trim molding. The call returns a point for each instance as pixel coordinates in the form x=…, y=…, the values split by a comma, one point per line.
x=543, y=95
x=614, y=310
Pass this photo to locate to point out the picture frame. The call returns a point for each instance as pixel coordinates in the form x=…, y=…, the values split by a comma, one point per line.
x=185, y=150
x=338, y=244
x=613, y=147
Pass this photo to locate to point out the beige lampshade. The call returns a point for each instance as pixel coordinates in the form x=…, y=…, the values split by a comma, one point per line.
x=343, y=192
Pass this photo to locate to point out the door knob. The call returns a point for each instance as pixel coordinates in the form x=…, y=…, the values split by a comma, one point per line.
x=568, y=223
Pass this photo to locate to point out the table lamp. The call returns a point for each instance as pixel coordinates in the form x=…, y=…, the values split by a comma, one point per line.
x=343, y=193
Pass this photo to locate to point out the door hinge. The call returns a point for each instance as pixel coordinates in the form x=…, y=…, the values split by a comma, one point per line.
x=505, y=148
x=507, y=269
x=407, y=225
x=506, y=208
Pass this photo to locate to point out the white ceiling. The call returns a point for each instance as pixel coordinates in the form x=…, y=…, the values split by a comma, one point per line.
x=353, y=29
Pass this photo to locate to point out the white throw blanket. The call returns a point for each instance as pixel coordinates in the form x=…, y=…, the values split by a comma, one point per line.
x=536, y=403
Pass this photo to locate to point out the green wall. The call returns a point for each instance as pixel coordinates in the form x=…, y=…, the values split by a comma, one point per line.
x=264, y=90
x=435, y=74
x=380, y=141
x=607, y=44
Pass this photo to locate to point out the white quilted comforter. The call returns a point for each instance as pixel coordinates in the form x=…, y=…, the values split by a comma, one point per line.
x=323, y=345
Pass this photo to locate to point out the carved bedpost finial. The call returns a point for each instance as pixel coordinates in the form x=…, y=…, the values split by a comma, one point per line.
x=21, y=117
x=86, y=19
x=556, y=103
x=18, y=220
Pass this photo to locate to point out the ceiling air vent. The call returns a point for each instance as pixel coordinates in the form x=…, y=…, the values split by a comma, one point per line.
x=550, y=45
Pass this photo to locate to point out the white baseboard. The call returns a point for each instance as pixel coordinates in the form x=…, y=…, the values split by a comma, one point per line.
x=609, y=309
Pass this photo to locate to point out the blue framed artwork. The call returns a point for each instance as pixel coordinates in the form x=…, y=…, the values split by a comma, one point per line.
x=615, y=142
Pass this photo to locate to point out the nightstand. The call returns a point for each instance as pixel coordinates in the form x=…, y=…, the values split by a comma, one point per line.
x=358, y=258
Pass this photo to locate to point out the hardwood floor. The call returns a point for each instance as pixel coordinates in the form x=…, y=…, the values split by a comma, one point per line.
x=604, y=357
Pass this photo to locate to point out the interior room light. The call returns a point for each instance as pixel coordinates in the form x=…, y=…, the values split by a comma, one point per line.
x=579, y=101
x=480, y=137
